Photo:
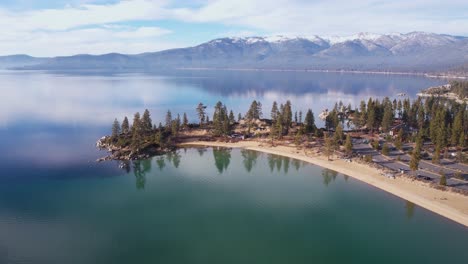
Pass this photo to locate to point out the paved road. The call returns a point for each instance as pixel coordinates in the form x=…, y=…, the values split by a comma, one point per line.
x=426, y=168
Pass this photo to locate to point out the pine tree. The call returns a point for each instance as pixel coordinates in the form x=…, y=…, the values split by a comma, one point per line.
x=371, y=115
x=416, y=155
x=146, y=121
x=274, y=111
x=399, y=139
x=255, y=111
x=168, y=120
x=136, y=132
x=387, y=121
x=385, y=149
x=338, y=135
x=348, y=145
x=239, y=117
x=436, y=155
x=136, y=126
x=232, y=119
x=300, y=117
x=201, y=113
x=362, y=115
x=295, y=117
x=287, y=116
x=185, y=123
x=221, y=120
x=115, y=128
x=309, y=122
x=329, y=146
x=457, y=128
x=125, y=126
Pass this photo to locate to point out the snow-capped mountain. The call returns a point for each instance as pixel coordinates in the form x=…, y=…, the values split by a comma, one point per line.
x=415, y=51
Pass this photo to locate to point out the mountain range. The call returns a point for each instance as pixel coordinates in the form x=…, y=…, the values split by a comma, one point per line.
x=411, y=52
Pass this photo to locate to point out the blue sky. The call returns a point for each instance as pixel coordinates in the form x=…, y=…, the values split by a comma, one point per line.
x=66, y=27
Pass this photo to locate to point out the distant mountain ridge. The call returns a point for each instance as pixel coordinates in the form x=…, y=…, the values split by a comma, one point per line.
x=414, y=52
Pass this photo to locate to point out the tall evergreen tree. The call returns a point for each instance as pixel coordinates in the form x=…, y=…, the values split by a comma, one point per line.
x=201, y=113
x=146, y=121
x=274, y=111
x=136, y=126
x=125, y=126
x=136, y=132
x=287, y=116
x=185, y=123
x=255, y=111
x=338, y=135
x=387, y=121
x=115, y=128
x=232, y=119
x=309, y=122
x=416, y=155
x=348, y=145
x=168, y=119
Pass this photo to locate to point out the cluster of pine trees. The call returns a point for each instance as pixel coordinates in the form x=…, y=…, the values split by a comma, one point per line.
x=143, y=133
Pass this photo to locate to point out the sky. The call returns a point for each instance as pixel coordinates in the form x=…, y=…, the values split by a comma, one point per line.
x=68, y=27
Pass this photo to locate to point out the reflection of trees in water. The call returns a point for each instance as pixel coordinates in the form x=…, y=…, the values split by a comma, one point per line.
x=250, y=158
x=222, y=157
x=409, y=206
x=161, y=162
x=297, y=164
x=328, y=176
x=282, y=162
x=286, y=164
x=140, y=168
x=346, y=177
x=174, y=158
x=201, y=151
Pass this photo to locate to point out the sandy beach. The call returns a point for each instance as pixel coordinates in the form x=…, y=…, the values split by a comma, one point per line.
x=448, y=204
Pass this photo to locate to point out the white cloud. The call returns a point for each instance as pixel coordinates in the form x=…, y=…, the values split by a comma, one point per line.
x=93, y=41
x=90, y=27
x=334, y=16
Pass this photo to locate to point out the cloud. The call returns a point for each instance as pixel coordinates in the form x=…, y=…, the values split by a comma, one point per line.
x=334, y=16
x=102, y=40
x=90, y=25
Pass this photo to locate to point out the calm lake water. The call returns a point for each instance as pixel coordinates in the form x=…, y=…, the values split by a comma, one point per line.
x=197, y=205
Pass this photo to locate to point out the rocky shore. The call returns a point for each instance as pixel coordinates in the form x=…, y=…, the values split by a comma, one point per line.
x=127, y=153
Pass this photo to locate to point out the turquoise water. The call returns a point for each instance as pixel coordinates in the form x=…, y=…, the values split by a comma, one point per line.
x=218, y=206
x=197, y=206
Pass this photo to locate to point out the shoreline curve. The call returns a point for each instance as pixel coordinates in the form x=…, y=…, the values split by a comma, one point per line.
x=447, y=204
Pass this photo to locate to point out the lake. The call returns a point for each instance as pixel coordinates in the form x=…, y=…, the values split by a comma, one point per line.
x=197, y=205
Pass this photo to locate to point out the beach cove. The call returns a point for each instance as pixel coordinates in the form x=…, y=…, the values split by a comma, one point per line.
x=451, y=205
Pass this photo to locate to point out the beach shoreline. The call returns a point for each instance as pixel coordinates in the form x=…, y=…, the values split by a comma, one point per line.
x=448, y=204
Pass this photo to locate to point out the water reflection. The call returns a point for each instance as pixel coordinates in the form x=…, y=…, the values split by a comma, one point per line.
x=161, y=162
x=409, y=206
x=140, y=168
x=282, y=163
x=174, y=158
x=222, y=157
x=201, y=151
x=250, y=158
x=328, y=176
x=98, y=99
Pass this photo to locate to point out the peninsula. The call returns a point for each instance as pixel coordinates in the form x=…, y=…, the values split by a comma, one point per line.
x=416, y=150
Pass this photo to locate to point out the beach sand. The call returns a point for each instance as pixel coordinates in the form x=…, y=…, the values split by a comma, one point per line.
x=448, y=204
